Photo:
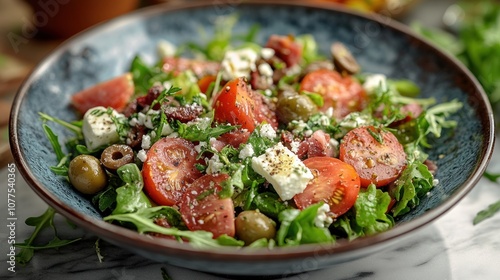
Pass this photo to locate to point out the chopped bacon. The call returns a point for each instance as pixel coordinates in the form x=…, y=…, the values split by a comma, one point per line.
x=318, y=145
x=286, y=49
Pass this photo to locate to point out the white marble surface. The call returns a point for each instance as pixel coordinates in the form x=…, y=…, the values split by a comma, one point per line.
x=449, y=248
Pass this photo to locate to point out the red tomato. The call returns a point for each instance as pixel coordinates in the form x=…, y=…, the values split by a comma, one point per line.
x=237, y=104
x=343, y=94
x=202, y=208
x=204, y=83
x=377, y=161
x=114, y=93
x=169, y=169
x=286, y=49
x=235, y=138
x=200, y=68
x=335, y=182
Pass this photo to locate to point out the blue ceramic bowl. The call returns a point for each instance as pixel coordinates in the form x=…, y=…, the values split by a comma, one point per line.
x=379, y=44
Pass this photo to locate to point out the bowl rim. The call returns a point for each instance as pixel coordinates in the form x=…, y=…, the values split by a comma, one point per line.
x=131, y=239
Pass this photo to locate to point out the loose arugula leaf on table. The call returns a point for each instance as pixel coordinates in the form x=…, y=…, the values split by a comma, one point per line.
x=489, y=212
x=28, y=247
x=143, y=220
x=493, y=208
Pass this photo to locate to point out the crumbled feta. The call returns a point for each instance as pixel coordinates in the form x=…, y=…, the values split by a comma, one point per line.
x=435, y=182
x=294, y=146
x=133, y=121
x=166, y=48
x=374, y=81
x=200, y=146
x=267, y=131
x=322, y=219
x=166, y=129
x=267, y=53
x=142, y=156
x=298, y=127
x=141, y=118
x=265, y=70
x=214, y=165
x=146, y=142
x=148, y=122
x=238, y=63
x=99, y=128
x=284, y=170
x=247, y=151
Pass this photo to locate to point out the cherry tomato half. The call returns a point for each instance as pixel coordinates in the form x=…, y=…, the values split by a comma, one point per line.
x=114, y=93
x=335, y=182
x=202, y=208
x=376, y=154
x=169, y=169
x=342, y=93
x=237, y=104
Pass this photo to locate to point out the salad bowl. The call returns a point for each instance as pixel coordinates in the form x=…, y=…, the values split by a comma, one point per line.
x=380, y=45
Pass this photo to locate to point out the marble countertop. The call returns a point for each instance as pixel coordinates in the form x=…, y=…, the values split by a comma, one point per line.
x=449, y=248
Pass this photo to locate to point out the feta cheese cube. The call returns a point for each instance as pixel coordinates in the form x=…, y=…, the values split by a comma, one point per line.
x=284, y=170
x=166, y=48
x=99, y=128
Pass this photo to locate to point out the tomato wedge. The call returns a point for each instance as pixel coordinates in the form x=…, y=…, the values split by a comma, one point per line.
x=202, y=208
x=377, y=160
x=335, y=182
x=237, y=104
x=342, y=93
x=114, y=93
x=169, y=169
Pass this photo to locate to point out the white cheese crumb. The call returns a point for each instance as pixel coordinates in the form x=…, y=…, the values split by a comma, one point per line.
x=146, y=142
x=166, y=48
x=238, y=63
x=247, y=151
x=214, y=165
x=267, y=53
x=374, y=81
x=267, y=131
x=284, y=170
x=98, y=127
x=200, y=146
x=142, y=156
x=322, y=220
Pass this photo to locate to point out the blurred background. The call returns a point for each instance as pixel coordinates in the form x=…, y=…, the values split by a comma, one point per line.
x=30, y=29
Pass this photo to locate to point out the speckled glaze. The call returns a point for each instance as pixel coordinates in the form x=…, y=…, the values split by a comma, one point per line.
x=380, y=46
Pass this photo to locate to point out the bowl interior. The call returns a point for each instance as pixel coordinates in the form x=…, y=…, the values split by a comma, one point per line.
x=379, y=45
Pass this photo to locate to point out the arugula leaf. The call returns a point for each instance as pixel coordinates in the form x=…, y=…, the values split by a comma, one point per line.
x=106, y=199
x=492, y=177
x=489, y=212
x=269, y=204
x=415, y=181
x=75, y=127
x=309, y=48
x=130, y=197
x=194, y=132
x=41, y=222
x=370, y=208
x=145, y=76
x=143, y=220
x=298, y=227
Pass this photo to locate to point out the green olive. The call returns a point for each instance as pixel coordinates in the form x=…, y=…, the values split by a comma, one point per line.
x=343, y=59
x=117, y=155
x=252, y=225
x=293, y=106
x=86, y=174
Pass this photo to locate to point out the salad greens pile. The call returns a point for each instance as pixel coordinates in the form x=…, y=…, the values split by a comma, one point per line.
x=123, y=201
x=475, y=40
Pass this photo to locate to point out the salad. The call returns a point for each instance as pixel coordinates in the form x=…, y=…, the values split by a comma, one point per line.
x=240, y=144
